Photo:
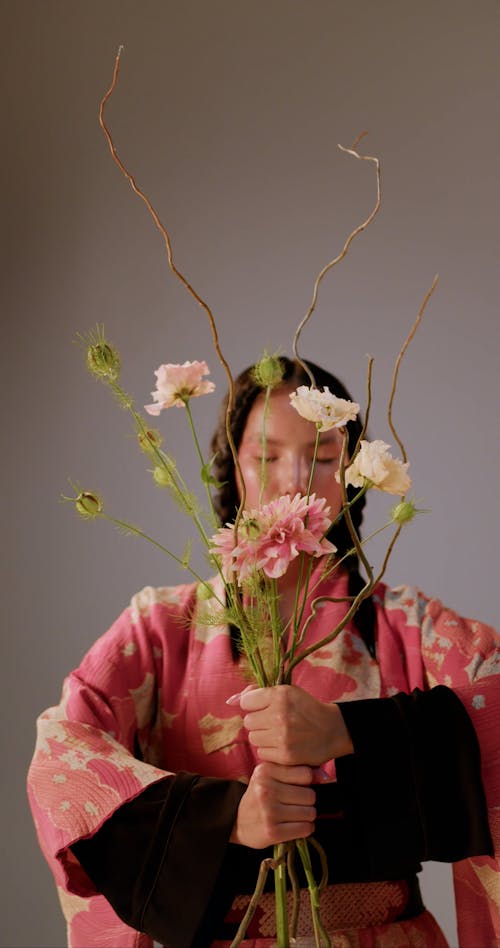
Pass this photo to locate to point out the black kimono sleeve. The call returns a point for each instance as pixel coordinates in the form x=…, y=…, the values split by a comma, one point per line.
x=411, y=791
x=157, y=859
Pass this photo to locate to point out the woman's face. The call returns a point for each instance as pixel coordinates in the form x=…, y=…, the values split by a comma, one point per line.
x=289, y=451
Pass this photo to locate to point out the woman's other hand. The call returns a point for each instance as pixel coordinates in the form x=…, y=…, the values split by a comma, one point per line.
x=278, y=805
x=288, y=726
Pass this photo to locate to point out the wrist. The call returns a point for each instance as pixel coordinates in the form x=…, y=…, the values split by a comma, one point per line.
x=340, y=742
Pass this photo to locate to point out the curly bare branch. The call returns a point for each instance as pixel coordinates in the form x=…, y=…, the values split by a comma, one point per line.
x=358, y=230
x=398, y=363
x=166, y=237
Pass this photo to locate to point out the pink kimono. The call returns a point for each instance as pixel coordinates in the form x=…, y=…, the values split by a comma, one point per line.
x=161, y=676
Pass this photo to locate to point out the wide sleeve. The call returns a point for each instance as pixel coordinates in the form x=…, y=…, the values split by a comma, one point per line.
x=413, y=786
x=93, y=758
x=465, y=655
x=163, y=860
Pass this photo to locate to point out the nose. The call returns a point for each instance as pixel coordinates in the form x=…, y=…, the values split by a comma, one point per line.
x=297, y=475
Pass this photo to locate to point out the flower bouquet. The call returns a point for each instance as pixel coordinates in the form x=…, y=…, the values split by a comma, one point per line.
x=252, y=552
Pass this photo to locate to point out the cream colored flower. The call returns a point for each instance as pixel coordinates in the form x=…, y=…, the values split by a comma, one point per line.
x=326, y=410
x=375, y=464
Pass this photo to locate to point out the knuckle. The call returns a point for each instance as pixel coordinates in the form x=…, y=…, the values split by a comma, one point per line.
x=262, y=793
x=282, y=719
x=282, y=696
x=269, y=828
x=260, y=773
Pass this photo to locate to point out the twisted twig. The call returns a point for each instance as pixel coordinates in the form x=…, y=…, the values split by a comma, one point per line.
x=398, y=362
x=342, y=254
x=265, y=866
x=177, y=273
x=362, y=433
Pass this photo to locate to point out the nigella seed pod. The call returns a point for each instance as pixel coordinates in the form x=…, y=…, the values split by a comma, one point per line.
x=162, y=476
x=149, y=441
x=403, y=512
x=251, y=528
x=268, y=372
x=204, y=592
x=88, y=505
x=103, y=360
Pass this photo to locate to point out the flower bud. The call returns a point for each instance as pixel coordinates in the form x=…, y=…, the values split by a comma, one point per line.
x=103, y=360
x=204, y=592
x=162, y=476
x=250, y=527
x=403, y=512
x=149, y=441
x=268, y=372
x=88, y=505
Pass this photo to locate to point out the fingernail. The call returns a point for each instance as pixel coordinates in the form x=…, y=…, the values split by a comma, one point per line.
x=320, y=774
x=234, y=699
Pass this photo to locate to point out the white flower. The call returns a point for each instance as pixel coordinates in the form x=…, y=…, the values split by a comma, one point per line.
x=375, y=464
x=325, y=409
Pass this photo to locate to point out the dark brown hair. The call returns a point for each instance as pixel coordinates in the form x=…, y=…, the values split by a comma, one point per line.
x=226, y=499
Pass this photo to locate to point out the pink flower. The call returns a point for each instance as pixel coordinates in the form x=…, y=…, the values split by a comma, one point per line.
x=175, y=384
x=270, y=537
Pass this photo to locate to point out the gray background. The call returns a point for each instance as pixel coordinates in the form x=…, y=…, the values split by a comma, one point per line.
x=229, y=114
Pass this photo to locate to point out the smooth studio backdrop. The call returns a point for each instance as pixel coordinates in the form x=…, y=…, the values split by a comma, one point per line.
x=229, y=114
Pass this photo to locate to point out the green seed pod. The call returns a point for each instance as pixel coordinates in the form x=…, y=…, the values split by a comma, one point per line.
x=268, y=372
x=149, y=441
x=403, y=512
x=103, y=360
x=162, y=477
x=88, y=505
x=250, y=528
x=204, y=592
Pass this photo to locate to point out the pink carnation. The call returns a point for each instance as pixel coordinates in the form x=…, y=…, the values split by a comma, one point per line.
x=177, y=383
x=270, y=537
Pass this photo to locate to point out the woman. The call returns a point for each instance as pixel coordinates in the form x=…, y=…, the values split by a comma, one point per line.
x=160, y=779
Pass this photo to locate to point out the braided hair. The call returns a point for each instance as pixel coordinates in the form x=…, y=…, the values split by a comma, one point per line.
x=226, y=499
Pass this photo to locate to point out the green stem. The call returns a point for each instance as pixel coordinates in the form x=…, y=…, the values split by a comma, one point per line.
x=313, y=463
x=292, y=659
x=347, y=554
x=292, y=875
x=202, y=462
x=136, y=531
x=299, y=612
x=177, y=480
x=305, y=593
x=282, y=939
x=320, y=934
x=263, y=461
x=350, y=503
x=276, y=625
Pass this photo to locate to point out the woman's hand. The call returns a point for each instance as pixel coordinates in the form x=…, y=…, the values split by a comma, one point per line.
x=288, y=726
x=278, y=805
